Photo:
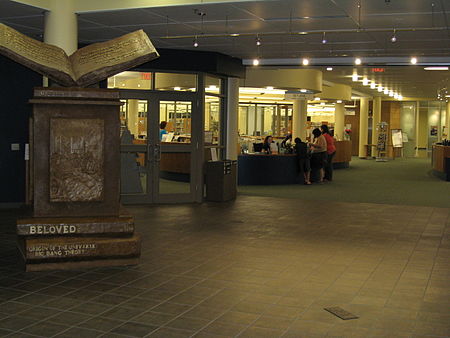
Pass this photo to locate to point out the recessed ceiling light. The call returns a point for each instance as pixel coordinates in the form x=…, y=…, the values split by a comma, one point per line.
x=255, y=62
x=386, y=91
x=176, y=88
x=391, y=93
x=355, y=77
x=305, y=62
x=339, y=101
x=365, y=82
x=373, y=85
x=357, y=61
x=380, y=89
x=303, y=90
x=329, y=69
x=436, y=68
x=413, y=60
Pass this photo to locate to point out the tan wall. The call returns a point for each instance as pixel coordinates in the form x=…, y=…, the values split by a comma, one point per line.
x=354, y=121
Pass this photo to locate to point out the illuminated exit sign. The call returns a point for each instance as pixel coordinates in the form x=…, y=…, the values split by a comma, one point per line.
x=378, y=70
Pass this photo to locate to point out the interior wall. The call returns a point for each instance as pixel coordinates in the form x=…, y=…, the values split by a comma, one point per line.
x=16, y=88
x=421, y=129
x=353, y=120
x=408, y=126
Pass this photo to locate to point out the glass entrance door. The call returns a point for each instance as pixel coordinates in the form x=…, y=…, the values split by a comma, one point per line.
x=157, y=148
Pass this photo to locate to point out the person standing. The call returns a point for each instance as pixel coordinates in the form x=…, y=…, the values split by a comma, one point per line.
x=301, y=149
x=331, y=151
x=318, y=153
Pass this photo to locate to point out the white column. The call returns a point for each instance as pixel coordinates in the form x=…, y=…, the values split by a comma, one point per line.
x=299, y=113
x=232, y=118
x=61, y=27
x=339, y=117
x=376, y=118
x=363, y=126
x=133, y=119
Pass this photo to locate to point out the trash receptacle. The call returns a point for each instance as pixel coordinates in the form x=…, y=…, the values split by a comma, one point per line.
x=220, y=180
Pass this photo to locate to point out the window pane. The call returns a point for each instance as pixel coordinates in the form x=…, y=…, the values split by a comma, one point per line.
x=212, y=84
x=182, y=82
x=131, y=80
x=177, y=114
x=212, y=120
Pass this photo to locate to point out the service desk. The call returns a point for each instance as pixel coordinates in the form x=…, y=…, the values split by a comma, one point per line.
x=343, y=154
x=441, y=161
x=263, y=169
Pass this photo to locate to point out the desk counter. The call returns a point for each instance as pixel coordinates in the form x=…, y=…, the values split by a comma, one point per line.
x=262, y=169
x=441, y=161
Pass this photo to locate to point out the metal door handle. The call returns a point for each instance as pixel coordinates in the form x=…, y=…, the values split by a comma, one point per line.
x=149, y=158
x=157, y=152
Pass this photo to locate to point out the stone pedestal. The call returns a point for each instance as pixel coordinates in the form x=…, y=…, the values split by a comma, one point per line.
x=75, y=183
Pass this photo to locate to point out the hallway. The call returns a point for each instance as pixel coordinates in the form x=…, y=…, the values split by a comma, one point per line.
x=255, y=267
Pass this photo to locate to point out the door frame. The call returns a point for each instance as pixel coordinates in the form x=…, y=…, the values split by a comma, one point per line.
x=154, y=146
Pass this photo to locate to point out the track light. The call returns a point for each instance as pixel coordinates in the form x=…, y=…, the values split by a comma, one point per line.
x=413, y=60
x=380, y=89
x=365, y=82
x=386, y=91
x=195, y=42
x=357, y=61
x=258, y=41
x=373, y=85
x=393, y=38
x=324, y=39
x=354, y=77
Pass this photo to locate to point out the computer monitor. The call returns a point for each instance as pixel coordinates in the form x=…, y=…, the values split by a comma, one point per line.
x=257, y=147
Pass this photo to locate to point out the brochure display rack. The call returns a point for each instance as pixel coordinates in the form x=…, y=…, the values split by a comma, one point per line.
x=382, y=128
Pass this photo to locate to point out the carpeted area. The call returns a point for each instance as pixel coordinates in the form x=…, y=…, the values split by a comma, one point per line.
x=404, y=181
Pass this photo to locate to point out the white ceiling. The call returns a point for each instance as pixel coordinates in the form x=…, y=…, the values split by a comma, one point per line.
x=421, y=28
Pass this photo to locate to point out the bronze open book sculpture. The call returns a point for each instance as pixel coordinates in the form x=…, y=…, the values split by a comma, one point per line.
x=87, y=65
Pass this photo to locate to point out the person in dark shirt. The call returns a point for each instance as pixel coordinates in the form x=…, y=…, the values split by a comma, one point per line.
x=266, y=145
x=301, y=149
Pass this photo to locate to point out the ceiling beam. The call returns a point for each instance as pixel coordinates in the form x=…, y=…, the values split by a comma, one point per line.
x=90, y=6
x=44, y=4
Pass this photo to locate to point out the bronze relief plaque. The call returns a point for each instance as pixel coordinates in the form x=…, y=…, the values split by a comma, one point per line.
x=76, y=160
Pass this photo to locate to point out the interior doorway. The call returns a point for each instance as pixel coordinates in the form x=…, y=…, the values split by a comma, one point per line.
x=160, y=165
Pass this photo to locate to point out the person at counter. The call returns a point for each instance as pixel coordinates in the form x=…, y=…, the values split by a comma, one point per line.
x=268, y=145
x=331, y=151
x=318, y=152
x=162, y=129
x=301, y=149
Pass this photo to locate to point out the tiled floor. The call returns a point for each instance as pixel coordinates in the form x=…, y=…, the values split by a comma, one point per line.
x=256, y=267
